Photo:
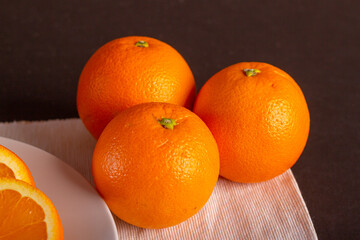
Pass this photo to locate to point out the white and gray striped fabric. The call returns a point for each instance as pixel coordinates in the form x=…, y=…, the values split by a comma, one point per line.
x=270, y=210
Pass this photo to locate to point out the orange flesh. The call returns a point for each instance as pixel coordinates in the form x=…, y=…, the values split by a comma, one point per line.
x=20, y=217
x=5, y=171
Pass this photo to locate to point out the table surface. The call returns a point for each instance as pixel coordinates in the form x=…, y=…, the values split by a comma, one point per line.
x=45, y=44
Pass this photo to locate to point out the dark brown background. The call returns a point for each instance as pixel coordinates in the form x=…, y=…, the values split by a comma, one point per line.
x=45, y=44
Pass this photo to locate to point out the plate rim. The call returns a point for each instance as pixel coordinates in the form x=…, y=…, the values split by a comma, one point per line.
x=69, y=168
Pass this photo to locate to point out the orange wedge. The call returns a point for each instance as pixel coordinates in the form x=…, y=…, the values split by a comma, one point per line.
x=27, y=213
x=11, y=166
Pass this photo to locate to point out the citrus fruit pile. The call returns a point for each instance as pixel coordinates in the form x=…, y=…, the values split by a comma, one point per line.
x=25, y=211
x=161, y=148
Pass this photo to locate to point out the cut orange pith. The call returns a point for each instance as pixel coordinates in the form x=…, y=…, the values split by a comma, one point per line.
x=11, y=166
x=27, y=213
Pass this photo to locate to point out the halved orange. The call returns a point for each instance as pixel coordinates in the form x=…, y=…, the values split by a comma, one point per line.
x=27, y=213
x=11, y=166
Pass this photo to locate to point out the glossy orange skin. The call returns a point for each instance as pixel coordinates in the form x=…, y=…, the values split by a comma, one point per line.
x=121, y=74
x=261, y=123
x=154, y=177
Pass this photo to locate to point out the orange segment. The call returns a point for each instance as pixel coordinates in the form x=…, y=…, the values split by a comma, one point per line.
x=11, y=166
x=5, y=171
x=26, y=212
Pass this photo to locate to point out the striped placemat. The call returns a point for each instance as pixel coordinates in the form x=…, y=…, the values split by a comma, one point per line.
x=270, y=210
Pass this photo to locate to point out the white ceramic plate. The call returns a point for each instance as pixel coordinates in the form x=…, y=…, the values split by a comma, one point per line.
x=83, y=212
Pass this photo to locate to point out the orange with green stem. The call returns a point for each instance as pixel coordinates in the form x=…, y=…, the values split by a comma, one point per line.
x=259, y=118
x=128, y=71
x=156, y=165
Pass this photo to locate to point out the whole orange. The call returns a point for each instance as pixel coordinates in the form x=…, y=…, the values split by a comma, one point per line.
x=128, y=71
x=156, y=165
x=259, y=118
